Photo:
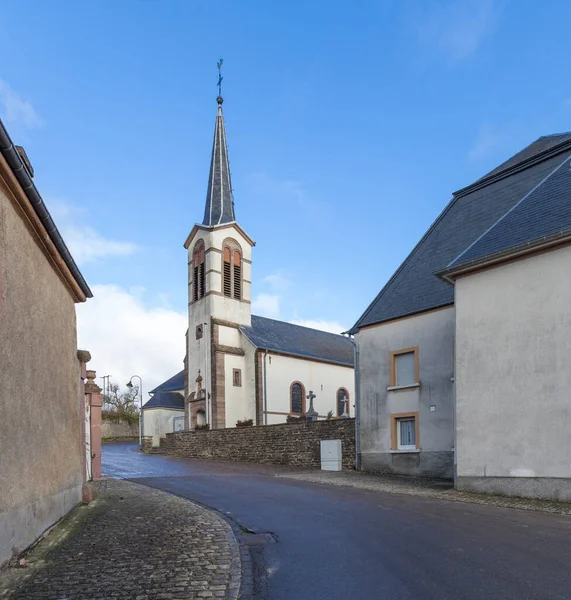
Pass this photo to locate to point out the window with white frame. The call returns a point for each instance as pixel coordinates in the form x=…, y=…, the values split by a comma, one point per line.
x=406, y=433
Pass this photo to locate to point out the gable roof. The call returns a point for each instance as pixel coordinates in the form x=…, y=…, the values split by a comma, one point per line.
x=279, y=336
x=414, y=288
x=542, y=215
x=165, y=400
x=176, y=382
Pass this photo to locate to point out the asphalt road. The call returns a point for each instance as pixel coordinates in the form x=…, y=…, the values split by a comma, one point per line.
x=339, y=543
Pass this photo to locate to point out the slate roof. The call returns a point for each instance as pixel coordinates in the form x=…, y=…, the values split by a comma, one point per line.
x=219, y=203
x=542, y=144
x=165, y=400
x=542, y=214
x=280, y=336
x=176, y=382
x=414, y=288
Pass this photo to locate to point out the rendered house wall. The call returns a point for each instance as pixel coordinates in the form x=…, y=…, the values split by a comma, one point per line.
x=41, y=403
x=433, y=333
x=513, y=331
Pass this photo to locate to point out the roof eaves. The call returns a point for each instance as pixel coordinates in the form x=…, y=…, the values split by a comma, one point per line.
x=15, y=162
x=555, y=239
x=296, y=354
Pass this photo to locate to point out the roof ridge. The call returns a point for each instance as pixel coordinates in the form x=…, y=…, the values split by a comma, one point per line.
x=494, y=175
x=524, y=197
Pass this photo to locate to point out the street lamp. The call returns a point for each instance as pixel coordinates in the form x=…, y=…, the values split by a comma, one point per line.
x=130, y=385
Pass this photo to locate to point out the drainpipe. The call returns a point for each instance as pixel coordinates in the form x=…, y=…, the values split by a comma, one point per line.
x=265, y=391
x=208, y=383
x=357, y=405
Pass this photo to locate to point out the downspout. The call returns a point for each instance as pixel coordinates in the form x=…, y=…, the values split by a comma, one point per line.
x=265, y=391
x=357, y=405
x=208, y=392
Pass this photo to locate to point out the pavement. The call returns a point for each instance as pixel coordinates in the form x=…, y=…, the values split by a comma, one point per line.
x=334, y=542
x=314, y=536
x=132, y=542
x=426, y=488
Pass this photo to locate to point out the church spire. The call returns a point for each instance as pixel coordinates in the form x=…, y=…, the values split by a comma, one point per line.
x=219, y=204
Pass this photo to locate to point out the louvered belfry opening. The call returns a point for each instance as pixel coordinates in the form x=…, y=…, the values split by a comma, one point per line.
x=199, y=271
x=227, y=273
x=232, y=273
x=194, y=286
x=237, y=276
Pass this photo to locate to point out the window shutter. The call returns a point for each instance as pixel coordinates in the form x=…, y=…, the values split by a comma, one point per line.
x=202, y=281
x=195, y=283
x=237, y=276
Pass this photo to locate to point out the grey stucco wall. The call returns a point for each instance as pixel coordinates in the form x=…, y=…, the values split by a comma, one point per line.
x=433, y=333
x=41, y=468
x=514, y=377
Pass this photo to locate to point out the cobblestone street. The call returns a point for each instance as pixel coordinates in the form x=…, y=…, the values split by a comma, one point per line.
x=132, y=543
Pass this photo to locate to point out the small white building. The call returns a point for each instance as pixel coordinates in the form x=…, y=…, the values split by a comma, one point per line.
x=164, y=412
x=242, y=367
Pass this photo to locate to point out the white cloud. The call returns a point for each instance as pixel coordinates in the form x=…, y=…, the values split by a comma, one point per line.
x=14, y=109
x=266, y=305
x=331, y=326
x=277, y=282
x=126, y=338
x=458, y=27
x=85, y=244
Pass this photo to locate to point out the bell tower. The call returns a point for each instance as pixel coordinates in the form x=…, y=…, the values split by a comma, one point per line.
x=219, y=287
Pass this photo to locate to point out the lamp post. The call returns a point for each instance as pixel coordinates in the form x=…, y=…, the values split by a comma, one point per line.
x=130, y=385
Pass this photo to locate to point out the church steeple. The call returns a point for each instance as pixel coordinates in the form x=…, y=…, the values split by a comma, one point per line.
x=219, y=204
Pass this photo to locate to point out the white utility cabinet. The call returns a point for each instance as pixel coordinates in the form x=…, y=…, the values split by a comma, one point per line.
x=331, y=455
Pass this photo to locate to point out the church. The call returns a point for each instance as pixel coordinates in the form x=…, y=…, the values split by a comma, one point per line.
x=241, y=367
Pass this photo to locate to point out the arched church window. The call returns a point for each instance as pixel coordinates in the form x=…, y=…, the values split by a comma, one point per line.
x=232, y=272
x=342, y=400
x=297, y=398
x=199, y=275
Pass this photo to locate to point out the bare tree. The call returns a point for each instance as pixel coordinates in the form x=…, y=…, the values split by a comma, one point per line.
x=121, y=404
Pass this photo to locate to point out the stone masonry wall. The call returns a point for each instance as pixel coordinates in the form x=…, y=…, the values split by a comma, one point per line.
x=293, y=444
x=121, y=429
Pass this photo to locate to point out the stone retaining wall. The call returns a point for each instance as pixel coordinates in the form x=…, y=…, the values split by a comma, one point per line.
x=121, y=429
x=294, y=444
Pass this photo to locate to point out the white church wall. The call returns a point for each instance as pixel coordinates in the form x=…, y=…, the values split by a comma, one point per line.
x=239, y=403
x=323, y=379
x=229, y=336
x=157, y=422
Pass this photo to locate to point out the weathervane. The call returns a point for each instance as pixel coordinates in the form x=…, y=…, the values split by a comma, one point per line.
x=220, y=78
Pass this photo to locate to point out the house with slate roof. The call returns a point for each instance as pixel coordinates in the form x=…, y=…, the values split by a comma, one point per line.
x=464, y=364
x=240, y=366
x=164, y=411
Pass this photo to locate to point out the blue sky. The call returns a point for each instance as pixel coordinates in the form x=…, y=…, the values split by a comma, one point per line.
x=349, y=126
